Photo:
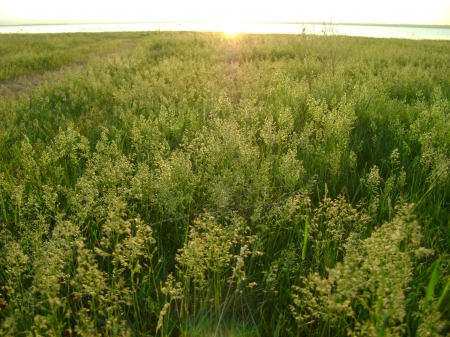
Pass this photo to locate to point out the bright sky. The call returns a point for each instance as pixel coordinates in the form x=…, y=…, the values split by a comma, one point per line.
x=227, y=11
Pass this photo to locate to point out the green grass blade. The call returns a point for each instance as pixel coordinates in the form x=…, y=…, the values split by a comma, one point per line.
x=305, y=239
x=432, y=284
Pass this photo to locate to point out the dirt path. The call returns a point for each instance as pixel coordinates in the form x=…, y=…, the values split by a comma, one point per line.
x=27, y=84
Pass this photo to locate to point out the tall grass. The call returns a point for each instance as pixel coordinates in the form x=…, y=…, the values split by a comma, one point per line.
x=256, y=185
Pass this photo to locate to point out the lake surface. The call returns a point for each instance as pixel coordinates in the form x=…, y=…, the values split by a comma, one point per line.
x=404, y=32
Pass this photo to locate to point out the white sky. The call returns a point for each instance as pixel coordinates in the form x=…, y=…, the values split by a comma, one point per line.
x=352, y=11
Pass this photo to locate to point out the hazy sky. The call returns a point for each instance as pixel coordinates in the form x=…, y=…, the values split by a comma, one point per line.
x=353, y=11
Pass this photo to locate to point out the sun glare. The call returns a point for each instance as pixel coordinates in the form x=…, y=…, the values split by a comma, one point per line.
x=230, y=27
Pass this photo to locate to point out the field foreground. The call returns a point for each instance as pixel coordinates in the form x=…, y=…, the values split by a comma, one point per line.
x=194, y=184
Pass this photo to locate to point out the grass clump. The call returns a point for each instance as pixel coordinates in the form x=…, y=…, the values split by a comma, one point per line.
x=200, y=185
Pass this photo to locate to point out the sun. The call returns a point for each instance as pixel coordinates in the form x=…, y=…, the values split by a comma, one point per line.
x=230, y=27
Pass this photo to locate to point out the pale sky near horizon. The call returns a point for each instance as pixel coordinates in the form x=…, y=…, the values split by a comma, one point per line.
x=435, y=12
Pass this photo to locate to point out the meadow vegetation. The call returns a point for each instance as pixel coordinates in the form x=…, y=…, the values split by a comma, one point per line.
x=28, y=54
x=205, y=185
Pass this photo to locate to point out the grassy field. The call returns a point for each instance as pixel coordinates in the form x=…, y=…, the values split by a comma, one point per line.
x=194, y=184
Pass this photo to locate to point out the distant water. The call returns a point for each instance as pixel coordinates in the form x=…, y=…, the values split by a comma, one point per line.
x=404, y=32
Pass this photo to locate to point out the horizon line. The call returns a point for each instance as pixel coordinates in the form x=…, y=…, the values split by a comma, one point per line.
x=325, y=23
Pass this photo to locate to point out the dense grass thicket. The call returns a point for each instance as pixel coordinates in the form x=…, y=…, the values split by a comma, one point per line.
x=204, y=185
